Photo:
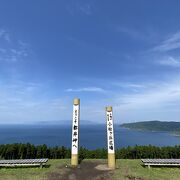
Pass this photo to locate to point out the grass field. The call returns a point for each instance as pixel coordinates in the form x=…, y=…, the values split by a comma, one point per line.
x=132, y=169
x=126, y=169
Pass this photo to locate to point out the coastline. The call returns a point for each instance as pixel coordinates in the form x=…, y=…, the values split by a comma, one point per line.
x=177, y=134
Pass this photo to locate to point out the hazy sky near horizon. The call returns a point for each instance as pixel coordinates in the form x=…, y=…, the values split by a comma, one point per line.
x=122, y=53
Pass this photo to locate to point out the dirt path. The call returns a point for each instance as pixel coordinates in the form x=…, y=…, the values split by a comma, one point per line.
x=86, y=171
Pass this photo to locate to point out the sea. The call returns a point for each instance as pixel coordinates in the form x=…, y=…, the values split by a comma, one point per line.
x=91, y=136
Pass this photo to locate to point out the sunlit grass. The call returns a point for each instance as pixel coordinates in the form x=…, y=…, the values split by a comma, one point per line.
x=133, y=169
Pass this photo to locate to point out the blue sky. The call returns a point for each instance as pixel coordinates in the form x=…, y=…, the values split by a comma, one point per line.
x=120, y=53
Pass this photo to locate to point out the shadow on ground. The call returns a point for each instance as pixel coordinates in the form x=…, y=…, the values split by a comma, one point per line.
x=86, y=171
x=25, y=167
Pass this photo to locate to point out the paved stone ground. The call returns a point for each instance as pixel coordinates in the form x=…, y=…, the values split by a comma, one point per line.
x=86, y=171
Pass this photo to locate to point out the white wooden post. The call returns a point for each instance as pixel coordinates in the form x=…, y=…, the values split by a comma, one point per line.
x=75, y=132
x=110, y=138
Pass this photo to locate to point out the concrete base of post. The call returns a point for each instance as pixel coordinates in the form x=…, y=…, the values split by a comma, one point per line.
x=74, y=159
x=111, y=161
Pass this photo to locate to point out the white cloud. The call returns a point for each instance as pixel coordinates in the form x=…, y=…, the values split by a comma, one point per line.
x=171, y=43
x=129, y=85
x=2, y=50
x=147, y=35
x=86, y=89
x=12, y=52
x=21, y=102
x=24, y=102
x=156, y=100
x=134, y=34
x=152, y=96
x=5, y=35
x=86, y=9
x=170, y=61
x=77, y=7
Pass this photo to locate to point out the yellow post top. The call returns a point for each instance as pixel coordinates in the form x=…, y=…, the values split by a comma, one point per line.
x=76, y=101
x=109, y=108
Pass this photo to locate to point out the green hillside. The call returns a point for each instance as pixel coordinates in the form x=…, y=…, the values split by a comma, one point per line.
x=173, y=127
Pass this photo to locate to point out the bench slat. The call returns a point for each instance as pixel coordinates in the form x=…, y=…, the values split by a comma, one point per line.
x=24, y=161
x=161, y=162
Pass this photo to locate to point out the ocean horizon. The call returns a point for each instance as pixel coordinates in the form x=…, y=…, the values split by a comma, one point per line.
x=91, y=136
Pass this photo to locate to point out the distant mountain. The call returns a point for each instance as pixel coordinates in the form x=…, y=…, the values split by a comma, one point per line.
x=173, y=127
x=64, y=122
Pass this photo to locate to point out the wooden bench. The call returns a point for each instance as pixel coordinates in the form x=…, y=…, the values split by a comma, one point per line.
x=23, y=162
x=161, y=162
